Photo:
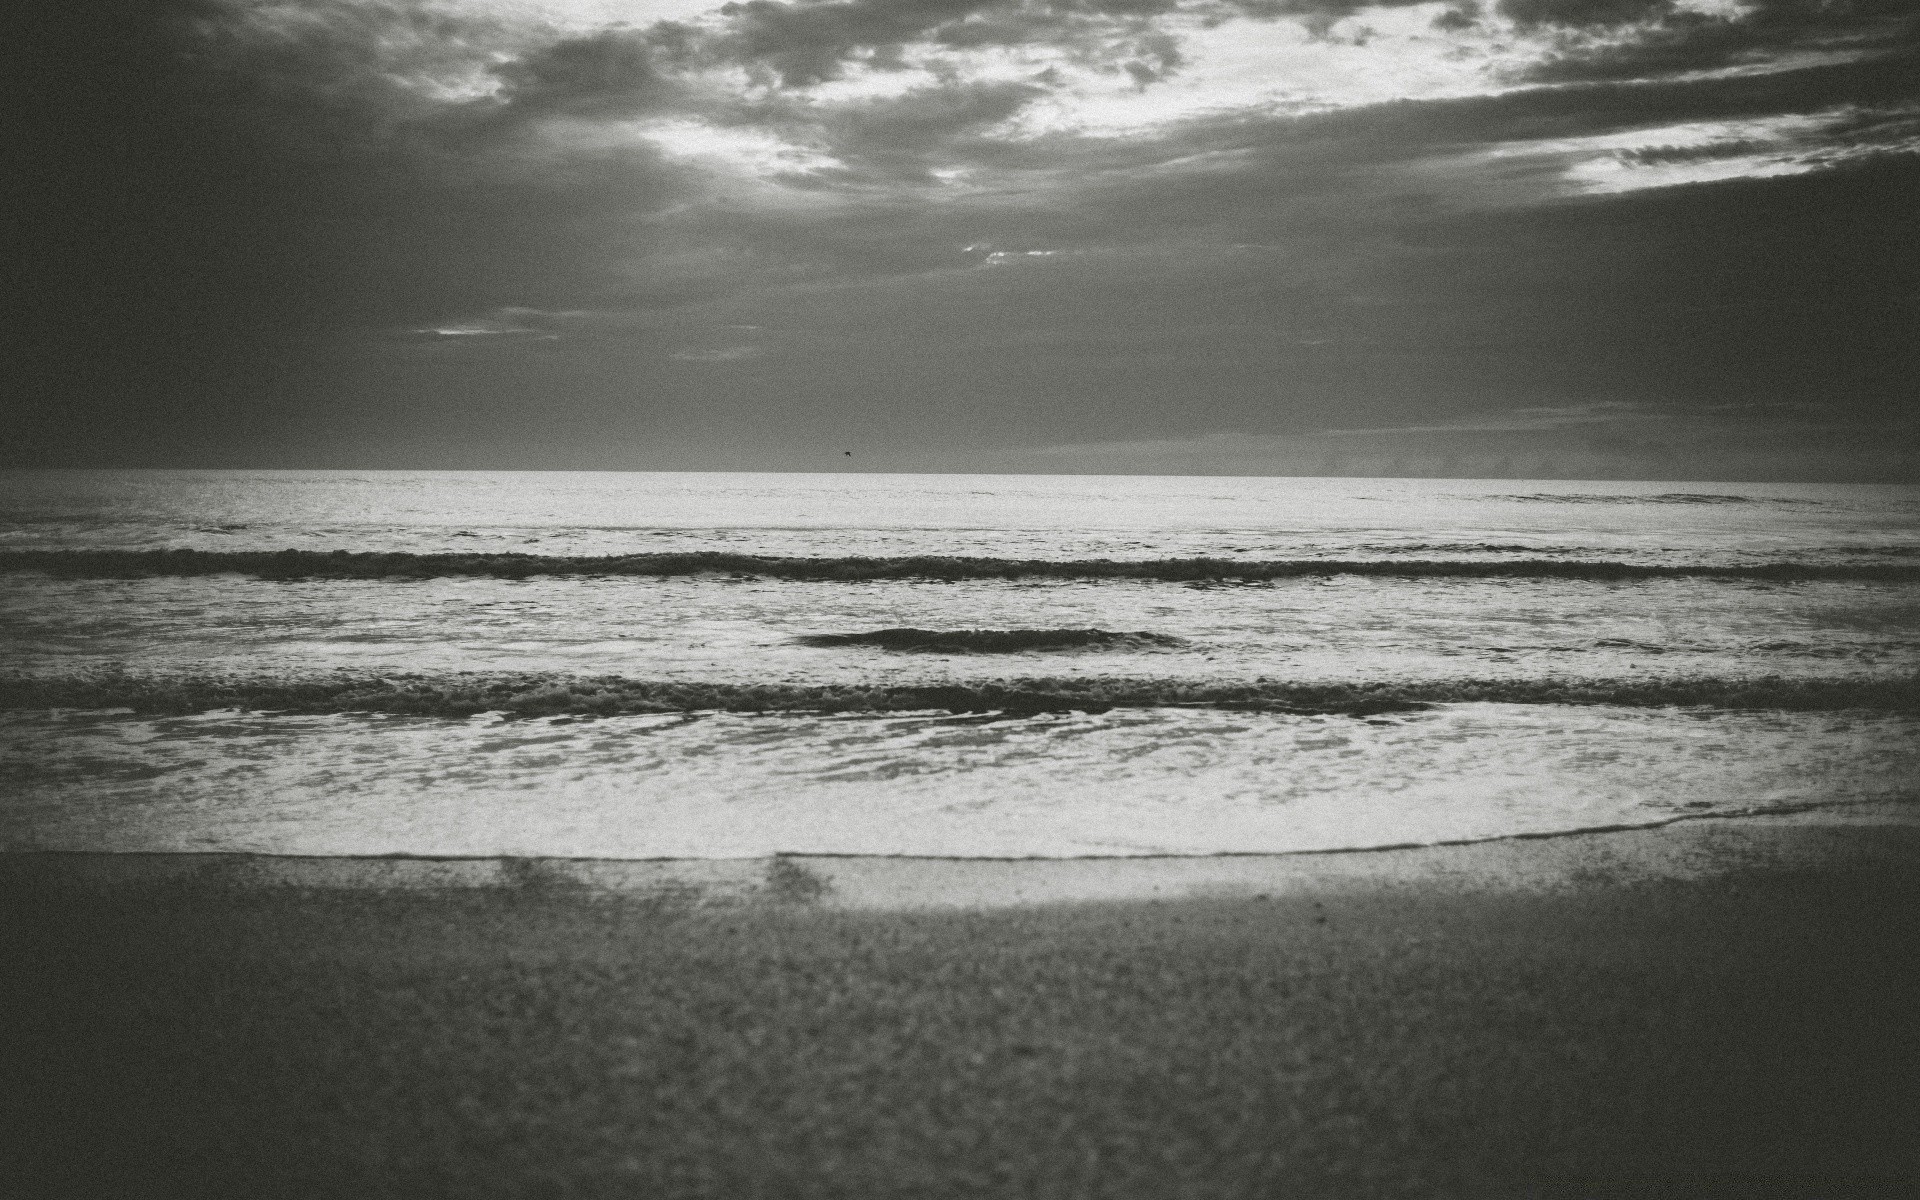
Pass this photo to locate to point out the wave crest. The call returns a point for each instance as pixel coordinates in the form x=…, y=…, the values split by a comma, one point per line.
x=994, y=641
x=612, y=695
x=1655, y=498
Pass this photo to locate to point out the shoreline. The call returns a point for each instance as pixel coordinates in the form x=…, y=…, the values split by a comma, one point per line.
x=1688, y=846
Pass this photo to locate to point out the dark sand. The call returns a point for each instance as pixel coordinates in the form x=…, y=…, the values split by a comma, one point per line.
x=1714, y=1008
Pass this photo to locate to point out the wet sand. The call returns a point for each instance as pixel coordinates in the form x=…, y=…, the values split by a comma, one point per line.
x=1724, y=1007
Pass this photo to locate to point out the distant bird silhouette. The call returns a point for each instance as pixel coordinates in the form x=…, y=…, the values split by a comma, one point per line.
x=848, y=453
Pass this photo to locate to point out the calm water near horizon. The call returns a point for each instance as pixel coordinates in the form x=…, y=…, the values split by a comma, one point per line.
x=1129, y=781
x=1039, y=516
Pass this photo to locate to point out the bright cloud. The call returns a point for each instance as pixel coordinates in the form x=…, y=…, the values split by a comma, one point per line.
x=721, y=355
x=1051, y=222
x=1709, y=151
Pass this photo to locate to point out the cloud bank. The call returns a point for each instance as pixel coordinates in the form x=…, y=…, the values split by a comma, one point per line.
x=964, y=233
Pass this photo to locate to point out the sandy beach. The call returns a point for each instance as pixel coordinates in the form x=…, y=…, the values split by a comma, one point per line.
x=1717, y=1007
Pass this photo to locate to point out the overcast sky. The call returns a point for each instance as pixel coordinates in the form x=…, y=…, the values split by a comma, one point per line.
x=1669, y=239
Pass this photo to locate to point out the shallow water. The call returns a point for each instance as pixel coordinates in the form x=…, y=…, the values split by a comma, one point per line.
x=1132, y=781
x=717, y=785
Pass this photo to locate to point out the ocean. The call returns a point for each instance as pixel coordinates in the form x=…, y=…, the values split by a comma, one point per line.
x=650, y=665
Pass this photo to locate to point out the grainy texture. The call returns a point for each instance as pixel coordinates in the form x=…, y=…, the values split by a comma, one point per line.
x=1750, y=1034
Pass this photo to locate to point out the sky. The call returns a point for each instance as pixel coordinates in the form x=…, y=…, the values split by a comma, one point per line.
x=1644, y=239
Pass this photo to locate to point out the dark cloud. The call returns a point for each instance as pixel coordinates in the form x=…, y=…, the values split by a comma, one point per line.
x=1759, y=291
x=1581, y=14
x=1306, y=287
x=1315, y=14
x=808, y=43
x=804, y=43
x=1159, y=57
x=1403, y=130
x=907, y=136
x=1348, y=311
x=199, y=212
x=614, y=72
x=1675, y=41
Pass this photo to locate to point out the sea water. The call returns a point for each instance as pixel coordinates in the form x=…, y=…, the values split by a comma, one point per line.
x=1144, y=778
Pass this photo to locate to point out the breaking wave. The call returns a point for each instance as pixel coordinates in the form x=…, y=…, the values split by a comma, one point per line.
x=546, y=695
x=1657, y=498
x=343, y=564
x=994, y=641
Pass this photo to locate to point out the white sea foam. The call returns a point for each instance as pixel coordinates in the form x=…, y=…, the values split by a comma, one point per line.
x=1130, y=782
x=1125, y=782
